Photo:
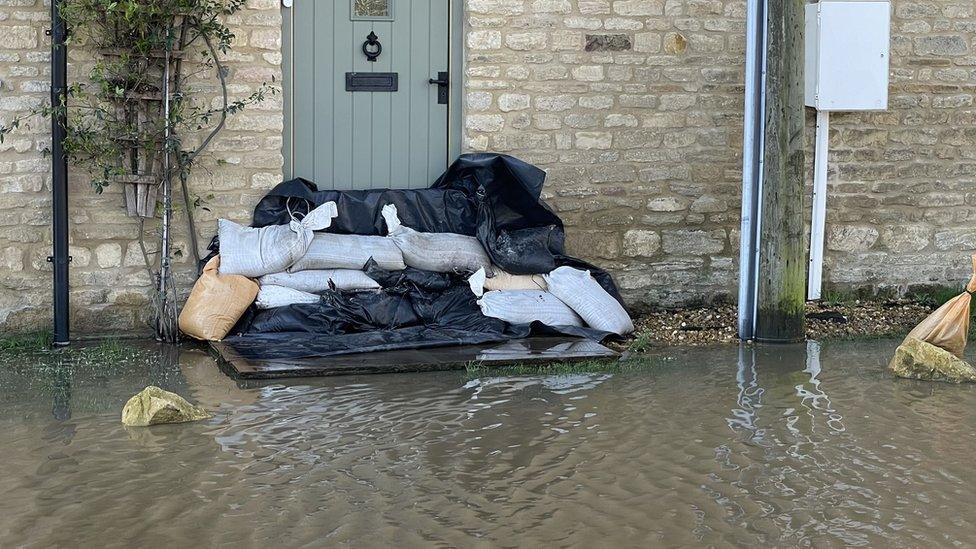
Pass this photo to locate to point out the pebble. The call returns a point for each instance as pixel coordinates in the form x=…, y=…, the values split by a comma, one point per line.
x=717, y=324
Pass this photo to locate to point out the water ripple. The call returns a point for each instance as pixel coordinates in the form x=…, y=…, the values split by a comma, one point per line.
x=808, y=445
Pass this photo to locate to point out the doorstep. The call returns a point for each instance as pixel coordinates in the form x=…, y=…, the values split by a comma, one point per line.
x=533, y=350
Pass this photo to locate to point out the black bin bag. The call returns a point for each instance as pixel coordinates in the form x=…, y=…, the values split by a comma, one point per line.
x=494, y=197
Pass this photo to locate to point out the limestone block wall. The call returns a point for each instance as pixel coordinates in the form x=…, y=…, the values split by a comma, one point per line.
x=634, y=107
x=109, y=282
x=902, y=208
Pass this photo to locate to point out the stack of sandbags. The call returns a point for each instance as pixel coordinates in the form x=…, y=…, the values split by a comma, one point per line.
x=319, y=262
x=296, y=265
x=330, y=262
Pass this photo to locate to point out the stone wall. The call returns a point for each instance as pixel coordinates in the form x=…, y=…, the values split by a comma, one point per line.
x=109, y=282
x=902, y=203
x=634, y=108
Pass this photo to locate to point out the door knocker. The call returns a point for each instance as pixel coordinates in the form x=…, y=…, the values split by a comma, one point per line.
x=372, y=47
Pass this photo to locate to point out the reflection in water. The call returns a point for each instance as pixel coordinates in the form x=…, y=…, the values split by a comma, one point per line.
x=812, y=395
x=682, y=453
x=816, y=404
x=750, y=394
x=768, y=470
x=61, y=396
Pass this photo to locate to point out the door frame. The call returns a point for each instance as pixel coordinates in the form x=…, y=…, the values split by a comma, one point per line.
x=455, y=66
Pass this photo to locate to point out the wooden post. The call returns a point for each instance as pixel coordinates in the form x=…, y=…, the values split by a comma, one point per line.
x=782, y=265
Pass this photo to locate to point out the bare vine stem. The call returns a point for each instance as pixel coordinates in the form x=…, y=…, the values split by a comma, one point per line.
x=184, y=162
x=222, y=77
x=178, y=70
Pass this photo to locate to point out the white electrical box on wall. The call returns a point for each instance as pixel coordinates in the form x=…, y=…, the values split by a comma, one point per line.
x=847, y=49
x=846, y=70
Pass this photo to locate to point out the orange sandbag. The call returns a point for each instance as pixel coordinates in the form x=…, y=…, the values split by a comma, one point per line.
x=948, y=326
x=216, y=303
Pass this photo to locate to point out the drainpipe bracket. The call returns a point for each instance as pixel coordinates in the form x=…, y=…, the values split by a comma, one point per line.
x=52, y=259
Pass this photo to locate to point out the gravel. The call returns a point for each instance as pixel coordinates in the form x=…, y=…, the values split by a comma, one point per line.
x=824, y=321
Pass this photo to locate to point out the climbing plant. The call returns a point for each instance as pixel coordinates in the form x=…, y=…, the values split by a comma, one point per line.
x=144, y=115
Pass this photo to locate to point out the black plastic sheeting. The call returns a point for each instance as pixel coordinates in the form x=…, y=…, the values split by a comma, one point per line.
x=496, y=198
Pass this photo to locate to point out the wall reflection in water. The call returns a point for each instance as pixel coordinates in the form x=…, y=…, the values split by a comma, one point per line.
x=775, y=362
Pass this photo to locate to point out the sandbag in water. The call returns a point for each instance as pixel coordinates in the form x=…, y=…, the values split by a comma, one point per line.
x=525, y=306
x=154, y=406
x=948, y=326
x=916, y=359
x=254, y=252
x=349, y=251
x=318, y=281
x=584, y=295
x=438, y=252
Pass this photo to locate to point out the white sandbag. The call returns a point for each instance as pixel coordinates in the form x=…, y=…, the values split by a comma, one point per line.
x=349, y=251
x=584, y=294
x=524, y=306
x=501, y=280
x=271, y=296
x=319, y=280
x=255, y=252
x=438, y=252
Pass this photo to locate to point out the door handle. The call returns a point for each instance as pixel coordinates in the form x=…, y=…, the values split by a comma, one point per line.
x=443, y=87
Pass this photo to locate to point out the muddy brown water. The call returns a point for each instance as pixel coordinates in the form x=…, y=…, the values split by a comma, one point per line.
x=803, y=445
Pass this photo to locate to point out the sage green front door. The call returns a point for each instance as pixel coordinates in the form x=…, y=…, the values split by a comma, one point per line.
x=364, y=112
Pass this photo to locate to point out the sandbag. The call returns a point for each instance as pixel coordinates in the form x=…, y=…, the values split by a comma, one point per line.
x=349, y=251
x=318, y=281
x=255, y=252
x=271, y=296
x=501, y=280
x=584, y=295
x=525, y=306
x=948, y=326
x=216, y=302
x=438, y=252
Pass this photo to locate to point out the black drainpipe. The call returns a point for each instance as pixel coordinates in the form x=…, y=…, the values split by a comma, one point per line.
x=59, y=174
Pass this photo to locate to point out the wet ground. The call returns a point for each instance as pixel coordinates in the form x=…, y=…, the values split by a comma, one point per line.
x=803, y=445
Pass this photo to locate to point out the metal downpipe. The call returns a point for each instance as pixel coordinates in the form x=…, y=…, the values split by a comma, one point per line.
x=59, y=174
x=752, y=133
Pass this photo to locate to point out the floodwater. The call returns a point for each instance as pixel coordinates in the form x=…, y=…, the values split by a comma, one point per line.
x=784, y=446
